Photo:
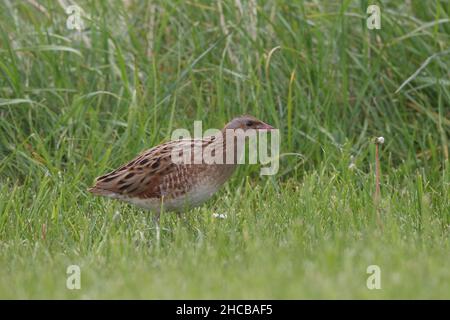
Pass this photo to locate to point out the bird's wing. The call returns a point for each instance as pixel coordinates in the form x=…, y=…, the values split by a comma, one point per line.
x=152, y=174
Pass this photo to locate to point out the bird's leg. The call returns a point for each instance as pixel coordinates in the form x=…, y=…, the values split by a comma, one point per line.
x=156, y=221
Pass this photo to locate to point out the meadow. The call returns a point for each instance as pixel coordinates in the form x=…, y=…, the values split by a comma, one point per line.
x=75, y=104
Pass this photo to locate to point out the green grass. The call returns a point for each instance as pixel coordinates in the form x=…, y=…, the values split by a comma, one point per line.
x=75, y=105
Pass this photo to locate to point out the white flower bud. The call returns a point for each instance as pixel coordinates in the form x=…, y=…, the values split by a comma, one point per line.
x=219, y=215
x=379, y=140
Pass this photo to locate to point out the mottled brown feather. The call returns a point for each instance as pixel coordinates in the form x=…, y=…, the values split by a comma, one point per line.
x=152, y=174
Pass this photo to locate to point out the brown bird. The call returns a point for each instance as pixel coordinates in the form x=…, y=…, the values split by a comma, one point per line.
x=153, y=180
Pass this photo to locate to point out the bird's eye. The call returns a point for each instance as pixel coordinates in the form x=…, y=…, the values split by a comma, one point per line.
x=249, y=123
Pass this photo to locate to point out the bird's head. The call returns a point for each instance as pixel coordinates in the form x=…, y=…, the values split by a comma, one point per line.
x=247, y=122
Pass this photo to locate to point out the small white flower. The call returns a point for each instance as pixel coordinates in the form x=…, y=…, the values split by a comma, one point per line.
x=117, y=216
x=379, y=140
x=219, y=215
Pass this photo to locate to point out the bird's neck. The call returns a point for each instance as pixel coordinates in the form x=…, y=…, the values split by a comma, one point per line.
x=230, y=147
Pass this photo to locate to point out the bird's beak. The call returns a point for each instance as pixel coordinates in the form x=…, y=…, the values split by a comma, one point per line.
x=265, y=126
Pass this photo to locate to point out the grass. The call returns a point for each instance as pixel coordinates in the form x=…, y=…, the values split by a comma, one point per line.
x=75, y=105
